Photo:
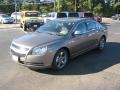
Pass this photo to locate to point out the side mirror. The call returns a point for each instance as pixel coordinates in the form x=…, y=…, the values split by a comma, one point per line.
x=77, y=33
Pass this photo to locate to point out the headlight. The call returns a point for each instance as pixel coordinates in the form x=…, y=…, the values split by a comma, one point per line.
x=39, y=51
x=4, y=19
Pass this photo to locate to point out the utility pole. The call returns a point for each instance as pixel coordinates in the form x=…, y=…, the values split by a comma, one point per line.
x=75, y=6
x=118, y=8
x=58, y=5
x=15, y=7
x=54, y=5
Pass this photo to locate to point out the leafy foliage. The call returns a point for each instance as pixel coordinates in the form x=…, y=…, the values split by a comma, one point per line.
x=98, y=7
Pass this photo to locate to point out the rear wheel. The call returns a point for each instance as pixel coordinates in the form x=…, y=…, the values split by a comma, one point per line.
x=102, y=43
x=60, y=59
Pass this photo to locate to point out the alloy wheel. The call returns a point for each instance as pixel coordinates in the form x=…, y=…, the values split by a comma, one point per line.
x=102, y=44
x=61, y=59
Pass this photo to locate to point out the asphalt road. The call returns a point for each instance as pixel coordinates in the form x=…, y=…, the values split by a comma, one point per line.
x=92, y=71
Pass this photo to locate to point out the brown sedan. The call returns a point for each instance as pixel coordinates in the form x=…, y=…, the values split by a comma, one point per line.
x=53, y=44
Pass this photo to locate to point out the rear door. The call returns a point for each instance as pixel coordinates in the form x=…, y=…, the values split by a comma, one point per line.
x=92, y=33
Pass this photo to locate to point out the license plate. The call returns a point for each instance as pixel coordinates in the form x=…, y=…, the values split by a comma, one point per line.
x=22, y=59
x=15, y=58
x=35, y=25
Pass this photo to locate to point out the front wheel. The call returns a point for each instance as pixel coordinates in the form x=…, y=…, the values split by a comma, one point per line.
x=2, y=22
x=60, y=60
x=21, y=26
x=102, y=43
x=24, y=28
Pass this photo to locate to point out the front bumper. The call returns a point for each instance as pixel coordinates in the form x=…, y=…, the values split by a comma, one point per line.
x=33, y=25
x=8, y=21
x=33, y=61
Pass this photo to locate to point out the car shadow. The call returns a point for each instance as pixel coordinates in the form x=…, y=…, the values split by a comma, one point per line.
x=91, y=62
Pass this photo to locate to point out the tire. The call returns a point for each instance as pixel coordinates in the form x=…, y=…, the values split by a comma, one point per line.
x=102, y=43
x=60, y=60
x=24, y=28
x=31, y=29
x=2, y=22
x=21, y=26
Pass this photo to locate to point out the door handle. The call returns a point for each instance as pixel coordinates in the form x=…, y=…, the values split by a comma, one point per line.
x=71, y=42
x=89, y=35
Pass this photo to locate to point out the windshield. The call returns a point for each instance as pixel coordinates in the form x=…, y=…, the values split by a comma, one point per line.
x=32, y=14
x=88, y=15
x=17, y=13
x=5, y=16
x=56, y=27
x=61, y=15
x=73, y=15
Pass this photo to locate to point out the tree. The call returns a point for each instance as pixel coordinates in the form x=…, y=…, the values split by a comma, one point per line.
x=98, y=9
x=117, y=7
x=6, y=6
x=90, y=5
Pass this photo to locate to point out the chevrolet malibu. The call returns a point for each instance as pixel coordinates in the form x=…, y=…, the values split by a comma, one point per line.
x=56, y=42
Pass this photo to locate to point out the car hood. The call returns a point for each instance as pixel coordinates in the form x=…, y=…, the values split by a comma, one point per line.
x=36, y=39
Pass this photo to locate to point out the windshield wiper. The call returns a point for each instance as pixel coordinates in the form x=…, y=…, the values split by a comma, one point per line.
x=38, y=32
x=51, y=33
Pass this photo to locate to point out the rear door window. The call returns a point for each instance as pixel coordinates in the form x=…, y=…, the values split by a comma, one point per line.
x=91, y=25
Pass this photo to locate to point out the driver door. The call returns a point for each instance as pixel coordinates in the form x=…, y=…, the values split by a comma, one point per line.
x=79, y=43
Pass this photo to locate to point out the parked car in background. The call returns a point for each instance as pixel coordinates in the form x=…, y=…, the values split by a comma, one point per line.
x=54, y=43
x=6, y=19
x=116, y=17
x=30, y=20
x=98, y=18
x=16, y=16
x=90, y=15
x=56, y=15
x=72, y=14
